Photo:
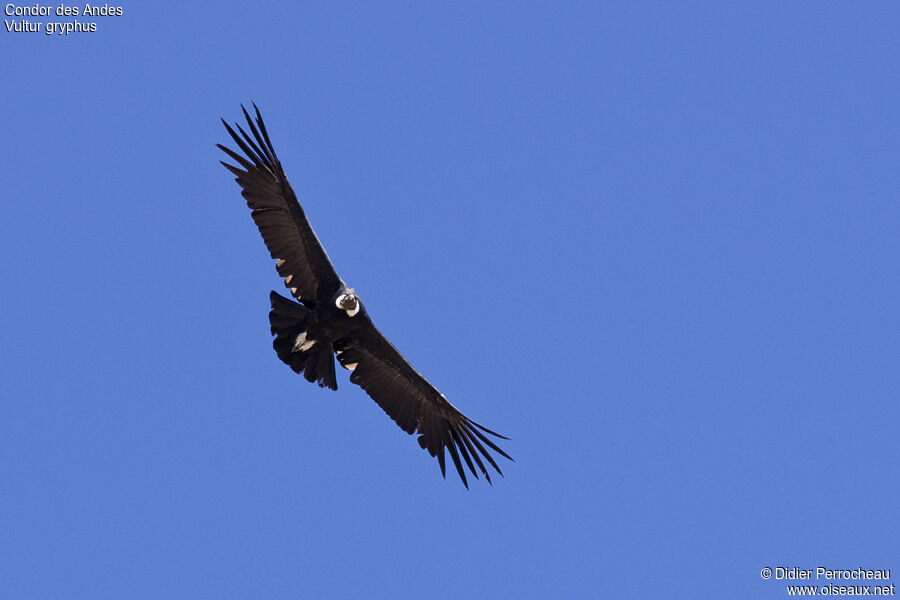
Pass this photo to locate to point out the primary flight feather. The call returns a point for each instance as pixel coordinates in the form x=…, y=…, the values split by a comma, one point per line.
x=327, y=318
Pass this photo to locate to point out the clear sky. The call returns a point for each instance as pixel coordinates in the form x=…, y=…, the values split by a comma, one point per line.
x=657, y=245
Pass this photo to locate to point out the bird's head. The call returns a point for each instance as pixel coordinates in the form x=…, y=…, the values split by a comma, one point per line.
x=348, y=302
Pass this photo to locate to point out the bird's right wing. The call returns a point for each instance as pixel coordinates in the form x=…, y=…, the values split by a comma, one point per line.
x=414, y=404
x=302, y=260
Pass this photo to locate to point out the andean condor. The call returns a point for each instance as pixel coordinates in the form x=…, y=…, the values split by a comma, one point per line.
x=330, y=318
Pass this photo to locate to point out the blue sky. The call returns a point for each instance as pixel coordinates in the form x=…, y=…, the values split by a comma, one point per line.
x=655, y=245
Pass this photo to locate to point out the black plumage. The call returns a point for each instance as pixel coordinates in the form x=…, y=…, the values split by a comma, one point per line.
x=328, y=318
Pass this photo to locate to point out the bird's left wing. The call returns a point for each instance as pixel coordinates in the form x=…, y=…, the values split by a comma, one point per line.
x=414, y=404
x=302, y=260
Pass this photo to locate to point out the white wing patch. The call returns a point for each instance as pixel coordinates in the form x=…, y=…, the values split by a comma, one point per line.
x=302, y=344
x=287, y=280
x=348, y=366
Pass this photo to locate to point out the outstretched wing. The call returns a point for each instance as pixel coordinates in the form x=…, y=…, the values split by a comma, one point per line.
x=302, y=261
x=414, y=404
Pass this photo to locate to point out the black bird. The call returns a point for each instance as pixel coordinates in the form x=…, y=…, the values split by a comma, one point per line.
x=331, y=319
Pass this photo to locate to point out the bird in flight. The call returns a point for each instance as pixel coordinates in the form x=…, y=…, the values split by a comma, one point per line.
x=327, y=318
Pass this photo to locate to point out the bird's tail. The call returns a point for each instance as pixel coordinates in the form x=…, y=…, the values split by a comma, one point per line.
x=289, y=321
